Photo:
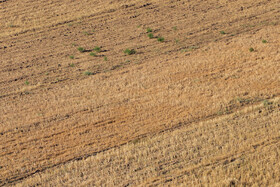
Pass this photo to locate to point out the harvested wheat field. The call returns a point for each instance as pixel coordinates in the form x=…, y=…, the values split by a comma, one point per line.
x=139, y=93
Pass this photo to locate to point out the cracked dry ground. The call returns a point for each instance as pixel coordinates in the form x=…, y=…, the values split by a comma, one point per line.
x=51, y=114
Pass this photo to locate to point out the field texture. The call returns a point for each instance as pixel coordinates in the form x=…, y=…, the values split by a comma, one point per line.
x=124, y=93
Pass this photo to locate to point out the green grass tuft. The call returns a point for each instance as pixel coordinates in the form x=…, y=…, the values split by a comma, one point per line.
x=150, y=35
x=129, y=51
x=81, y=49
x=160, y=39
x=97, y=49
x=266, y=103
x=92, y=54
x=26, y=83
x=88, y=73
x=149, y=30
x=85, y=33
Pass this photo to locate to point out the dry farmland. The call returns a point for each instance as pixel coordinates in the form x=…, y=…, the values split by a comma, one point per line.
x=139, y=93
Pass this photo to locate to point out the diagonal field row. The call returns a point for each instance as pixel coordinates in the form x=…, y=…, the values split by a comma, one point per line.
x=230, y=149
x=52, y=113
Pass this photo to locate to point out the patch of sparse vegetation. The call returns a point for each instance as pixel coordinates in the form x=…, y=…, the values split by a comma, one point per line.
x=264, y=41
x=129, y=51
x=71, y=57
x=191, y=48
x=251, y=49
x=26, y=82
x=88, y=73
x=149, y=30
x=85, y=33
x=116, y=66
x=74, y=44
x=136, y=141
x=97, y=49
x=92, y=54
x=12, y=25
x=160, y=39
x=174, y=28
x=226, y=110
x=243, y=100
x=222, y=32
x=105, y=58
x=26, y=92
x=72, y=65
x=266, y=103
x=150, y=35
x=81, y=49
x=120, y=65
